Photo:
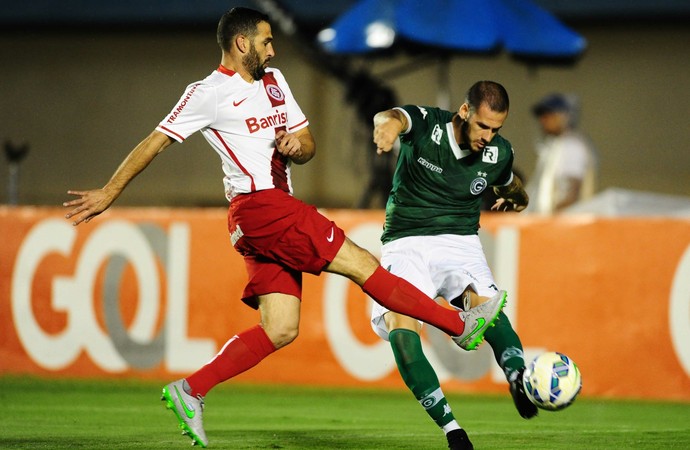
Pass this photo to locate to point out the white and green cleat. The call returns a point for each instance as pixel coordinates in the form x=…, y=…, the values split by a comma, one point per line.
x=478, y=320
x=188, y=410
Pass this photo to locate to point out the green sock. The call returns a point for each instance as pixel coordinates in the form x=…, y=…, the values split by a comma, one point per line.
x=506, y=345
x=419, y=376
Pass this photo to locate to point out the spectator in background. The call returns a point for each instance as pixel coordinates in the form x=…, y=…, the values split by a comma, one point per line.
x=566, y=164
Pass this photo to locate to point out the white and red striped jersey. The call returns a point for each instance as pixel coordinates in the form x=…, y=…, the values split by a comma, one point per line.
x=240, y=120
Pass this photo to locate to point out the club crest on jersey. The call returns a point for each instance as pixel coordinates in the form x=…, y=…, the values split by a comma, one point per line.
x=478, y=185
x=275, y=92
x=490, y=154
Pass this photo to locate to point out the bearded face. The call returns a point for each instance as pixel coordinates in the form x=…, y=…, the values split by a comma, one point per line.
x=465, y=132
x=253, y=63
x=480, y=126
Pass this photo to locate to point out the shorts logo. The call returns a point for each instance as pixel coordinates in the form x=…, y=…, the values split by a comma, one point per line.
x=330, y=237
x=490, y=155
x=478, y=185
x=236, y=235
x=471, y=276
x=275, y=92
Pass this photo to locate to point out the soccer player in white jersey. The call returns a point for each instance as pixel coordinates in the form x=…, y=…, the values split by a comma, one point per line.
x=447, y=160
x=248, y=115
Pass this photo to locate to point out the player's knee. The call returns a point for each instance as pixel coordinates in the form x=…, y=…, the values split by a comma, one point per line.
x=354, y=262
x=282, y=335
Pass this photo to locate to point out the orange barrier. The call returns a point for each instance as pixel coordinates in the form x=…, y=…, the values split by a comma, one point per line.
x=154, y=293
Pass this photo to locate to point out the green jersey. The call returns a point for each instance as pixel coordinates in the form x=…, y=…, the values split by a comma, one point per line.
x=437, y=186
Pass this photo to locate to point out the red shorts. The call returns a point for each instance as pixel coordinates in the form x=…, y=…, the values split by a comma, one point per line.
x=280, y=237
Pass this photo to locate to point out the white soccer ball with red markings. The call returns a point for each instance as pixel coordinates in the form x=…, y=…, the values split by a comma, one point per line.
x=552, y=381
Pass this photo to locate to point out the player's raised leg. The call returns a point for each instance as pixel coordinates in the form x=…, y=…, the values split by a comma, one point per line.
x=396, y=294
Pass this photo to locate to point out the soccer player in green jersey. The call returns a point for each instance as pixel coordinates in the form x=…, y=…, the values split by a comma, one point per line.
x=446, y=162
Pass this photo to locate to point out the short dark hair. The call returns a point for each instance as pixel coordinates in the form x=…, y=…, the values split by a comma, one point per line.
x=238, y=21
x=552, y=103
x=489, y=92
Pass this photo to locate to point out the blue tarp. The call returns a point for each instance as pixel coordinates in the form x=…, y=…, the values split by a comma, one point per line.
x=517, y=26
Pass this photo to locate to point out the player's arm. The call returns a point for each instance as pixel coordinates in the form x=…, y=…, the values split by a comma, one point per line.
x=89, y=204
x=299, y=146
x=511, y=196
x=387, y=127
x=572, y=193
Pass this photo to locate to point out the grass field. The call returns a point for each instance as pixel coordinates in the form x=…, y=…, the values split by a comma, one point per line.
x=60, y=414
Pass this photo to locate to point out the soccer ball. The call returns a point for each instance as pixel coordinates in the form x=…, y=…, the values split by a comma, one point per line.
x=552, y=381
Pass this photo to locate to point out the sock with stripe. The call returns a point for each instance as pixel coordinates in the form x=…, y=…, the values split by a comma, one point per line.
x=506, y=345
x=242, y=352
x=420, y=377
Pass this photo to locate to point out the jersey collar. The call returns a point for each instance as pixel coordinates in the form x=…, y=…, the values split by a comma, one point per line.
x=225, y=70
x=457, y=151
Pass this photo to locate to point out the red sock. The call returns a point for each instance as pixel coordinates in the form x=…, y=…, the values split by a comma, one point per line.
x=242, y=352
x=401, y=296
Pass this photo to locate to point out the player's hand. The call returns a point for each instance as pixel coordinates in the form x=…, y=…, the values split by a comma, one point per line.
x=288, y=144
x=385, y=135
x=388, y=125
x=87, y=205
x=503, y=204
x=511, y=197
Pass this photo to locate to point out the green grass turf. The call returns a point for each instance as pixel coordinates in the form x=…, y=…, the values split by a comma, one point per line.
x=60, y=414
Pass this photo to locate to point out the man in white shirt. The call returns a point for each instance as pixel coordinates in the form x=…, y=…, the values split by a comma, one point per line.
x=566, y=164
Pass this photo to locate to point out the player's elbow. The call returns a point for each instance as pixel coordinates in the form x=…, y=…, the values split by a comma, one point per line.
x=307, y=152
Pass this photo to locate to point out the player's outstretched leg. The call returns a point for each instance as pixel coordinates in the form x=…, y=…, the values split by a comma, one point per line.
x=458, y=440
x=524, y=406
x=478, y=320
x=188, y=410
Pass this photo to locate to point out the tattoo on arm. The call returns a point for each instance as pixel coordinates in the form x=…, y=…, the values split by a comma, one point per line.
x=513, y=192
